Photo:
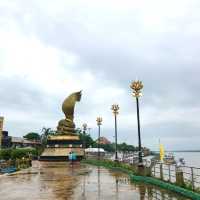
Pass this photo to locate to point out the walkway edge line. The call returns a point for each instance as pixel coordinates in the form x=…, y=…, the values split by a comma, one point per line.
x=174, y=188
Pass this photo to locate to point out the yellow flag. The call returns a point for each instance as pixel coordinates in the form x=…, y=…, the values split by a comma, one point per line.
x=162, y=152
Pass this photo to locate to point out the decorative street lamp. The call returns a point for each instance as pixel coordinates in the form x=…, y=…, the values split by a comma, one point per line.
x=137, y=87
x=84, y=138
x=99, y=123
x=115, y=109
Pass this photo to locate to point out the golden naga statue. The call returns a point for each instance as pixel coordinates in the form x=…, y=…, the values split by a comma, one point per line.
x=66, y=126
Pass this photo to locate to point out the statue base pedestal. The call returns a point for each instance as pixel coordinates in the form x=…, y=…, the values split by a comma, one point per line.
x=59, y=146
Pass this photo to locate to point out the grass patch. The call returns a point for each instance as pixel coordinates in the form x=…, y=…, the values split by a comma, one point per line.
x=126, y=168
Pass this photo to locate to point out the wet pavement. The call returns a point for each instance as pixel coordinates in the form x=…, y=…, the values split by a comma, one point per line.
x=60, y=181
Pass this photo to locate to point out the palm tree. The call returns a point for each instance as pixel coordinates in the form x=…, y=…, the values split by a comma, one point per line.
x=45, y=134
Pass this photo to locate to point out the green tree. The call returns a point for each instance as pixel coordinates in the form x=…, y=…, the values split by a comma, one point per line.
x=32, y=136
x=89, y=142
x=108, y=147
x=5, y=154
x=20, y=153
x=125, y=147
x=87, y=139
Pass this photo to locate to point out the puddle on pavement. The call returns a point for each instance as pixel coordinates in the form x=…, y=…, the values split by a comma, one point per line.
x=60, y=181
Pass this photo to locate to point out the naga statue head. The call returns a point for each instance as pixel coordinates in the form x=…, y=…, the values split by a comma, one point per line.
x=69, y=104
x=78, y=95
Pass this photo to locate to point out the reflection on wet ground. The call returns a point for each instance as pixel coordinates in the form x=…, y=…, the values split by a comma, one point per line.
x=48, y=181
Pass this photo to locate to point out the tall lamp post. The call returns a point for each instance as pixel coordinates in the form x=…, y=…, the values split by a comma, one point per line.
x=84, y=138
x=137, y=86
x=99, y=123
x=115, y=109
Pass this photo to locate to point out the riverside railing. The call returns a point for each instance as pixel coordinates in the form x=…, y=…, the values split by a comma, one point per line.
x=182, y=175
x=149, y=192
x=154, y=194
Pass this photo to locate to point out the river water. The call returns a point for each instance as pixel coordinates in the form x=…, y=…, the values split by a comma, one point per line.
x=192, y=159
x=60, y=181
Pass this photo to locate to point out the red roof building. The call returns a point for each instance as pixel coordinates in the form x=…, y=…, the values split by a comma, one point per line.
x=103, y=140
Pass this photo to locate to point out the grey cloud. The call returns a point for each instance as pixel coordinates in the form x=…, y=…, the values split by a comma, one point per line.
x=118, y=49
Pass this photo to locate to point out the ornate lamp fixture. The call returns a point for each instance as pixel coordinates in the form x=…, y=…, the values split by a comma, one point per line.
x=84, y=127
x=99, y=121
x=115, y=109
x=136, y=86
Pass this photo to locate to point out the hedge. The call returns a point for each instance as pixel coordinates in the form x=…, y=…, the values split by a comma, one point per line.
x=6, y=154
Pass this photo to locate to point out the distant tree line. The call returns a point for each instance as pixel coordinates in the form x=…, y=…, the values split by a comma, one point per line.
x=85, y=138
x=89, y=142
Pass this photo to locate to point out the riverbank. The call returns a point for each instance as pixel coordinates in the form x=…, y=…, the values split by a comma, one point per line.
x=134, y=175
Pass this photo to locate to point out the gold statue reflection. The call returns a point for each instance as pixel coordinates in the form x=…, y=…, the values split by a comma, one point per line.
x=83, y=192
x=98, y=183
x=116, y=188
x=142, y=191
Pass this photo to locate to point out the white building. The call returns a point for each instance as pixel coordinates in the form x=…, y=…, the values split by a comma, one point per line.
x=93, y=152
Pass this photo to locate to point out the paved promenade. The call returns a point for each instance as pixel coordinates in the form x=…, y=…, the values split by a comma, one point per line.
x=60, y=181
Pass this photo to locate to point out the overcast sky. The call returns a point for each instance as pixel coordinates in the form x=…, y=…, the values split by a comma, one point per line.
x=49, y=49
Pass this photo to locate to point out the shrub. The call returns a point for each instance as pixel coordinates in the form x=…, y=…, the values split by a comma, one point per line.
x=20, y=153
x=13, y=154
x=5, y=154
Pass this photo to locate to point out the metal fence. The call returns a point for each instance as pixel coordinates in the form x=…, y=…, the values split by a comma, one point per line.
x=149, y=192
x=190, y=176
x=165, y=172
x=154, y=194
